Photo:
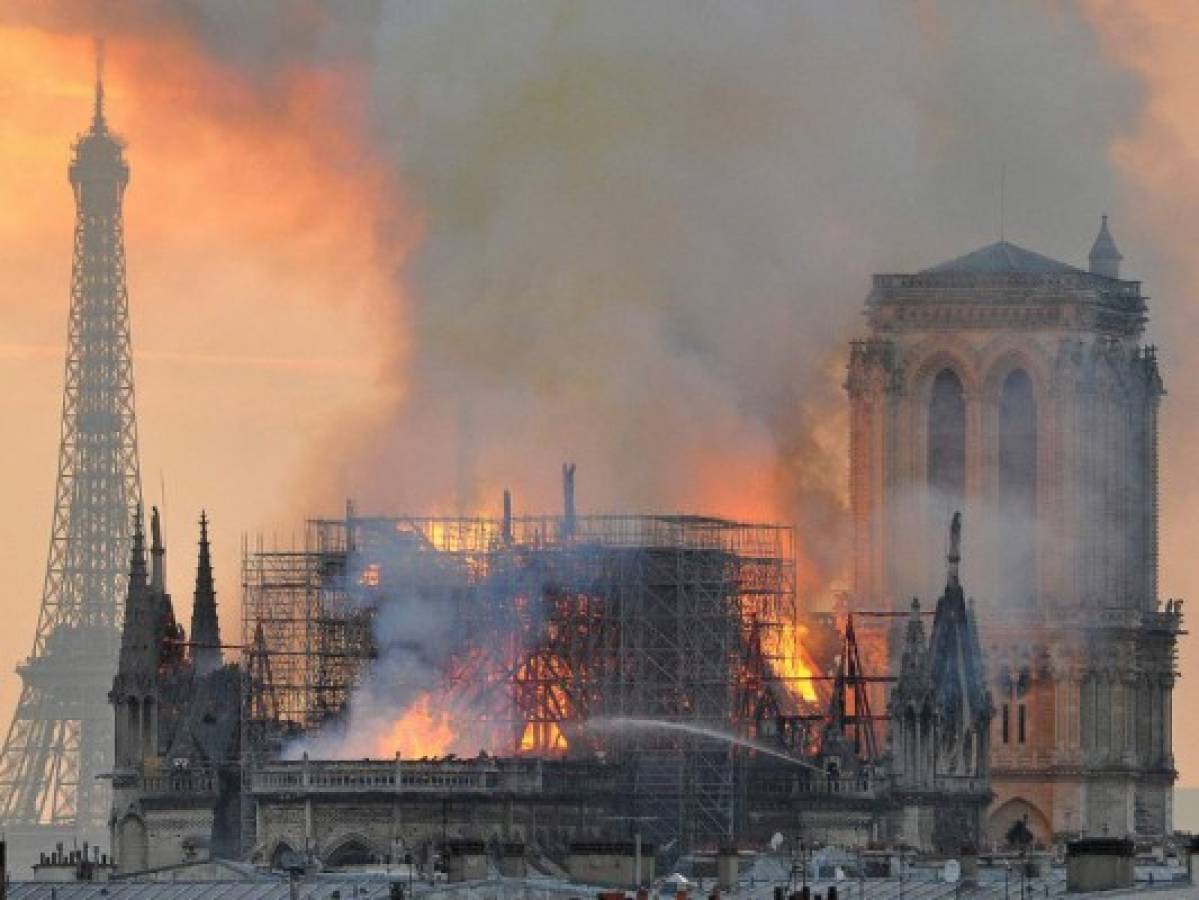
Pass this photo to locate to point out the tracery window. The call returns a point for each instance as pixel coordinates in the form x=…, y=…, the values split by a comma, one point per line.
x=946, y=447
x=1016, y=502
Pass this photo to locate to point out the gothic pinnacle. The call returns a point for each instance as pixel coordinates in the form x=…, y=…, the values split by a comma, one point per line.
x=205, y=627
x=158, y=575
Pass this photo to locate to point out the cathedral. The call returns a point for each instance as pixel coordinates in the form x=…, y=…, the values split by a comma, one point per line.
x=1019, y=389
x=1003, y=389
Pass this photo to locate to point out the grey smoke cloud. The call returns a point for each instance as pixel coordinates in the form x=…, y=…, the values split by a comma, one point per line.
x=647, y=229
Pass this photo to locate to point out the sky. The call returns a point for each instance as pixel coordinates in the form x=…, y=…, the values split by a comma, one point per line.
x=415, y=252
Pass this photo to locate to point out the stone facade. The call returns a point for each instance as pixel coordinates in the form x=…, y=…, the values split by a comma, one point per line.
x=344, y=812
x=175, y=782
x=1017, y=389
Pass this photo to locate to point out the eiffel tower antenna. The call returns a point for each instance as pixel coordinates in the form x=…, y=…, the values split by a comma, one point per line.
x=61, y=736
x=98, y=116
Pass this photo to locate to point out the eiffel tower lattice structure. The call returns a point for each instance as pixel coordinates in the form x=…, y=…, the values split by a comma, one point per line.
x=61, y=738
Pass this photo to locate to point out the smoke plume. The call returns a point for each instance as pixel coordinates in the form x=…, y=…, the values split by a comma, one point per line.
x=639, y=235
x=647, y=231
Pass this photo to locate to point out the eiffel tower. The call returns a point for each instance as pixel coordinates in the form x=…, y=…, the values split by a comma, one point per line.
x=61, y=737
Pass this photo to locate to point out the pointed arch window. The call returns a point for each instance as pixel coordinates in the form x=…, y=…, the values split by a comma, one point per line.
x=1017, y=500
x=946, y=446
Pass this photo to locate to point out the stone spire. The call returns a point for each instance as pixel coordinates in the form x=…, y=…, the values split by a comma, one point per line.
x=205, y=629
x=1105, y=257
x=138, y=657
x=158, y=575
x=962, y=702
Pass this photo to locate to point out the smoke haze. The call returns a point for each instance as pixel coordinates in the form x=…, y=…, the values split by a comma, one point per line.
x=633, y=235
x=647, y=231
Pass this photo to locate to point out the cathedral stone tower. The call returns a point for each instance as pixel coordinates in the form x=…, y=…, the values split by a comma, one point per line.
x=1017, y=388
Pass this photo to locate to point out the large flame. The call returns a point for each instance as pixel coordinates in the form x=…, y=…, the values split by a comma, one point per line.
x=542, y=738
x=544, y=701
x=421, y=731
x=798, y=667
x=793, y=663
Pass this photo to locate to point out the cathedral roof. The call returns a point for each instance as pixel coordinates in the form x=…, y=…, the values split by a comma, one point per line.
x=999, y=258
x=208, y=729
x=1004, y=286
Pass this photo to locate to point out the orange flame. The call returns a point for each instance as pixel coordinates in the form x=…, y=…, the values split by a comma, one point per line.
x=544, y=701
x=420, y=731
x=542, y=738
x=793, y=664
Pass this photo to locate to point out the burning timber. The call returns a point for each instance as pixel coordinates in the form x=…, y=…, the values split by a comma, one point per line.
x=532, y=627
x=618, y=678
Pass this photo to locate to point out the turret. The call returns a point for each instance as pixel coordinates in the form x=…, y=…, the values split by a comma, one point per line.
x=1105, y=257
x=205, y=628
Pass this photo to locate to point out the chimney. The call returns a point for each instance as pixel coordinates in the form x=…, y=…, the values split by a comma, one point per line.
x=568, y=499
x=1105, y=257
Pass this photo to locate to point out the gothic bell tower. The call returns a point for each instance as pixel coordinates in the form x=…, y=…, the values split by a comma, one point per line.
x=1018, y=389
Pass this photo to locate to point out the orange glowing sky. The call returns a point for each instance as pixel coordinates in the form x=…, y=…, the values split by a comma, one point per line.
x=255, y=288
x=264, y=241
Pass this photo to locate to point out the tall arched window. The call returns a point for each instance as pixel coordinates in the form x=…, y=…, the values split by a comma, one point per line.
x=1017, y=502
x=946, y=448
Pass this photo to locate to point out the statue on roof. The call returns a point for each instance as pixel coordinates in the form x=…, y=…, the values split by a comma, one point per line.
x=954, y=557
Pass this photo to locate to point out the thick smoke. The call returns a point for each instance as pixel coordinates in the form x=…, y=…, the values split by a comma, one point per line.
x=415, y=634
x=448, y=640
x=646, y=230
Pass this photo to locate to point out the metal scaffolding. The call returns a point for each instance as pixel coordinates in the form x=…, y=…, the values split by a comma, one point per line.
x=569, y=635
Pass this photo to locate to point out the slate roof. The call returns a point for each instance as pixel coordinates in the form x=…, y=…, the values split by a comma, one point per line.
x=1002, y=257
